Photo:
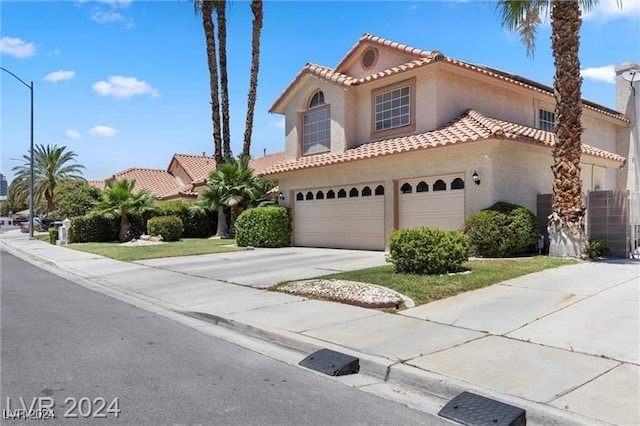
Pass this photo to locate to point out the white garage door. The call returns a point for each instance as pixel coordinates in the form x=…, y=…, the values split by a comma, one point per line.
x=436, y=202
x=340, y=217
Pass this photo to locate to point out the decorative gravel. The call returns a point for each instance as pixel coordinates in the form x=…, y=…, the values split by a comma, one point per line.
x=350, y=292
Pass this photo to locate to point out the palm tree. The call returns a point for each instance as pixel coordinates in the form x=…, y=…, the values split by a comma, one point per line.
x=221, y=18
x=119, y=200
x=256, y=8
x=566, y=223
x=205, y=8
x=231, y=185
x=51, y=165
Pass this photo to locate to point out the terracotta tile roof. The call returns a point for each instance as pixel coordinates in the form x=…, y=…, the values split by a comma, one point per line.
x=422, y=58
x=197, y=167
x=97, y=184
x=180, y=191
x=470, y=126
x=260, y=164
x=156, y=181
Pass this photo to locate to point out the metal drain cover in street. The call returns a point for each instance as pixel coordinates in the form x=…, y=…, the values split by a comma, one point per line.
x=475, y=410
x=331, y=362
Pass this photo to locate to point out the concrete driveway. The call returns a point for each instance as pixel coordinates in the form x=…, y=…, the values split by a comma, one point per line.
x=262, y=268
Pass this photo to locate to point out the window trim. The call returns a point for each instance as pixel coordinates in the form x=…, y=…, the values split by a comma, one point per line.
x=307, y=111
x=407, y=128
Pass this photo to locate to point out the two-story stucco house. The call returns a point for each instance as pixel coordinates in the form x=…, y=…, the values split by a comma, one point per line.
x=395, y=137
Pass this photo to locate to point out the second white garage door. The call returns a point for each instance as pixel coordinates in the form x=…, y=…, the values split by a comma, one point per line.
x=436, y=202
x=340, y=217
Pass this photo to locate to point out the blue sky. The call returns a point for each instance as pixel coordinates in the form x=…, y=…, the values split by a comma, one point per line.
x=125, y=83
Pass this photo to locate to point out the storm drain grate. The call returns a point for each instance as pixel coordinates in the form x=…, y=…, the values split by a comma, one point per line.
x=475, y=410
x=331, y=362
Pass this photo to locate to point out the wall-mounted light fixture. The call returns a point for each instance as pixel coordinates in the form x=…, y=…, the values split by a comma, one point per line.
x=280, y=196
x=475, y=178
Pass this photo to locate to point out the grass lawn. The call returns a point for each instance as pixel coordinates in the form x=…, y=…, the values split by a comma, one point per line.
x=184, y=247
x=427, y=288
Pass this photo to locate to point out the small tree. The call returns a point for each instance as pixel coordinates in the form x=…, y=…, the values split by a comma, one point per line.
x=120, y=200
x=74, y=198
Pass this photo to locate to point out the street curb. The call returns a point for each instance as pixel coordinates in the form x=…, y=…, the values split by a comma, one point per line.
x=393, y=372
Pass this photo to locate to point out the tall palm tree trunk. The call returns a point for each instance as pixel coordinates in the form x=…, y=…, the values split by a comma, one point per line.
x=566, y=224
x=207, y=23
x=256, y=8
x=220, y=7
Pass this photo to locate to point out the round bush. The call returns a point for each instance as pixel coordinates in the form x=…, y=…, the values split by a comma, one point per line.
x=170, y=227
x=503, y=230
x=264, y=227
x=428, y=251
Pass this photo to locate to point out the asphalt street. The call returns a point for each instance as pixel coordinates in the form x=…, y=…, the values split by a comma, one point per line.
x=101, y=361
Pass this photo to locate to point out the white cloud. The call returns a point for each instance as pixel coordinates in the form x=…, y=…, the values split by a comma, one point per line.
x=112, y=12
x=56, y=76
x=606, y=73
x=102, y=131
x=72, y=134
x=119, y=86
x=117, y=3
x=16, y=47
x=609, y=10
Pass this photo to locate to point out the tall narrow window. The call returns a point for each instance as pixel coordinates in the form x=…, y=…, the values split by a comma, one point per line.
x=547, y=120
x=393, y=109
x=316, y=126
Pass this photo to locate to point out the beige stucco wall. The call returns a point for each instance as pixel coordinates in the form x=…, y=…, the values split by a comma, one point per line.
x=443, y=92
x=180, y=174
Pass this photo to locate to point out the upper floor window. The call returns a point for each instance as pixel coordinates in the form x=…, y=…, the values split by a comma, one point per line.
x=393, y=109
x=316, y=126
x=547, y=120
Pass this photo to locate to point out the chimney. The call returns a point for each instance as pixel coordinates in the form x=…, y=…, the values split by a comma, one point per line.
x=204, y=154
x=264, y=152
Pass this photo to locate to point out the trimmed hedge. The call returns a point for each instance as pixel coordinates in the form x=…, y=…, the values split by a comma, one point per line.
x=197, y=223
x=264, y=227
x=53, y=235
x=93, y=229
x=503, y=230
x=428, y=251
x=170, y=227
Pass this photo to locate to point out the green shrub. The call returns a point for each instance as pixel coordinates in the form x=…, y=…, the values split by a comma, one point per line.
x=428, y=251
x=93, y=229
x=502, y=230
x=170, y=227
x=264, y=227
x=53, y=234
x=598, y=248
x=197, y=223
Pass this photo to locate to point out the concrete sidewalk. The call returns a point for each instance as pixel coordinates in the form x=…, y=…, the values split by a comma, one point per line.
x=562, y=344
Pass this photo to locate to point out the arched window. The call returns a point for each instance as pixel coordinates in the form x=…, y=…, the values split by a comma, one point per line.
x=379, y=190
x=316, y=126
x=457, y=183
x=319, y=195
x=354, y=192
x=366, y=191
x=309, y=195
x=422, y=187
x=406, y=188
x=299, y=196
x=317, y=99
x=439, y=185
x=342, y=194
x=331, y=194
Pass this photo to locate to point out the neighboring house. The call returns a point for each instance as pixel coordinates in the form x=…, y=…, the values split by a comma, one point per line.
x=396, y=137
x=184, y=178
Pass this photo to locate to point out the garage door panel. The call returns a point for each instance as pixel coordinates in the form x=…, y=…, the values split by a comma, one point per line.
x=434, y=209
x=351, y=222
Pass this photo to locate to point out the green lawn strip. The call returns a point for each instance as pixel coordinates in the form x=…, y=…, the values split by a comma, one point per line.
x=184, y=247
x=426, y=288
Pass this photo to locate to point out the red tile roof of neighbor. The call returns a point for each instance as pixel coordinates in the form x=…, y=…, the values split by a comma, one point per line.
x=420, y=58
x=164, y=185
x=470, y=126
x=97, y=184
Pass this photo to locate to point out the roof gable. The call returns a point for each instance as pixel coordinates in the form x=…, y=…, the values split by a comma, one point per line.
x=197, y=167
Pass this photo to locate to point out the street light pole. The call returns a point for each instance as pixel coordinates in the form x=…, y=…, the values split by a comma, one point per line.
x=30, y=87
